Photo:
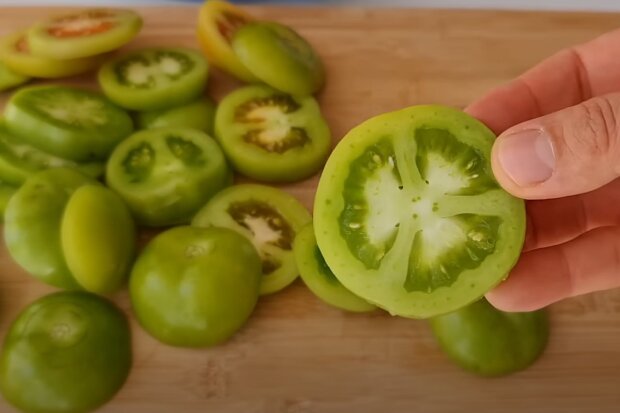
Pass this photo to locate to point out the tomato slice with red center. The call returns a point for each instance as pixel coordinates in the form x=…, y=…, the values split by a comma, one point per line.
x=84, y=33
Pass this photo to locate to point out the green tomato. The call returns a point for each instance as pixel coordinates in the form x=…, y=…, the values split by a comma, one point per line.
x=195, y=287
x=6, y=192
x=409, y=216
x=68, y=352
x=280, y=57
x=199, y=114
x=320, y=279
x=153, y=79
x=10, y=79
x=98, y=238
x=68, y=122
x=15, y=54
x=268, y=217
x=271, y=136
x=32, y=224
x=490, y=342
x=166, y=174
x=83, y=33
x=19, y=160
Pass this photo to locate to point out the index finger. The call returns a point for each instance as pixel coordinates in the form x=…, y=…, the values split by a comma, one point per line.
x=567, y=78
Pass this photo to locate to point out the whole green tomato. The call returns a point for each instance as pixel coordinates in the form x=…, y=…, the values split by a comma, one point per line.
x=67, y=352
x=490, y=342
x=195, y=287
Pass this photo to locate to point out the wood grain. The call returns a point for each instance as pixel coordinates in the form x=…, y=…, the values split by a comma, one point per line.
x=297, y=355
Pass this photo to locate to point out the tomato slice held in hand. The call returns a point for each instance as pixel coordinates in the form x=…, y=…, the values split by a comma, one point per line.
x=67, y=122
x=199, y=114
x=66, y=352
x=490, y=342
x=271, y=136
x=15, y=54
x=9, y=78
x=84, y=33
x=217, y=23
x=409, y=216
x=19, y=160
x=153, y=79
x=195, y=287
x=32, y=224
x=268, y=217
x=166, y=174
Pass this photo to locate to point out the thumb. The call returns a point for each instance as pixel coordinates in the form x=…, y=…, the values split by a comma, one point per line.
x=569, y=152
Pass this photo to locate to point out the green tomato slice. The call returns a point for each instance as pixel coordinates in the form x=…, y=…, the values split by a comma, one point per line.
x=280, y=57
x=6, y=192
x=270, y=218
x=217, y=22
x=68, y=122
x=409, y=215
x=195, y=287
x=9, y=78
x=165, y=175
x=67, y=352
x=490, y=342
x=98, y=239
x=19, y=160
x=271, y=136
x=199, y=114
x=320, y=279
x=32, y=224
x=15, y=54
x=83, y=33
x=152, y=79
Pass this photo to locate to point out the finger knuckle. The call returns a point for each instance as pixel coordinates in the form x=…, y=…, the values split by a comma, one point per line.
x=594, y=132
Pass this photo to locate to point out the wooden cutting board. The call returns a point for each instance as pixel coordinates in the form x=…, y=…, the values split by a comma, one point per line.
x=297, y=355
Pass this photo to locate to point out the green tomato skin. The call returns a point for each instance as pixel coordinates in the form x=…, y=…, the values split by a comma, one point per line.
x=6, y=192
x=98, y=239
x=171, y=188
x=195, y=287
x=280, y=57
x=32, y=224
x=320, y=280
x=10, y=79
x=68, y=352
x=199, y=114
x=19, y=160
x=66, y=139
x=489, y=342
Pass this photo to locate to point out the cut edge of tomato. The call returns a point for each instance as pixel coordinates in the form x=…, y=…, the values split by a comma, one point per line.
x=215, y=35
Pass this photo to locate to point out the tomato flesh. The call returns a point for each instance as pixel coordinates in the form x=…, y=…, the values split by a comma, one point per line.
x=409, y=216
x=84, y=33
x=269, y=218
x=217, y=23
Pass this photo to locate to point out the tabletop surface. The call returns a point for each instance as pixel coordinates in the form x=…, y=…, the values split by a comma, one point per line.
x=296, y=355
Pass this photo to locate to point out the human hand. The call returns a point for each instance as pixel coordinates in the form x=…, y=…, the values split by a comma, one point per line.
x=560, y=148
